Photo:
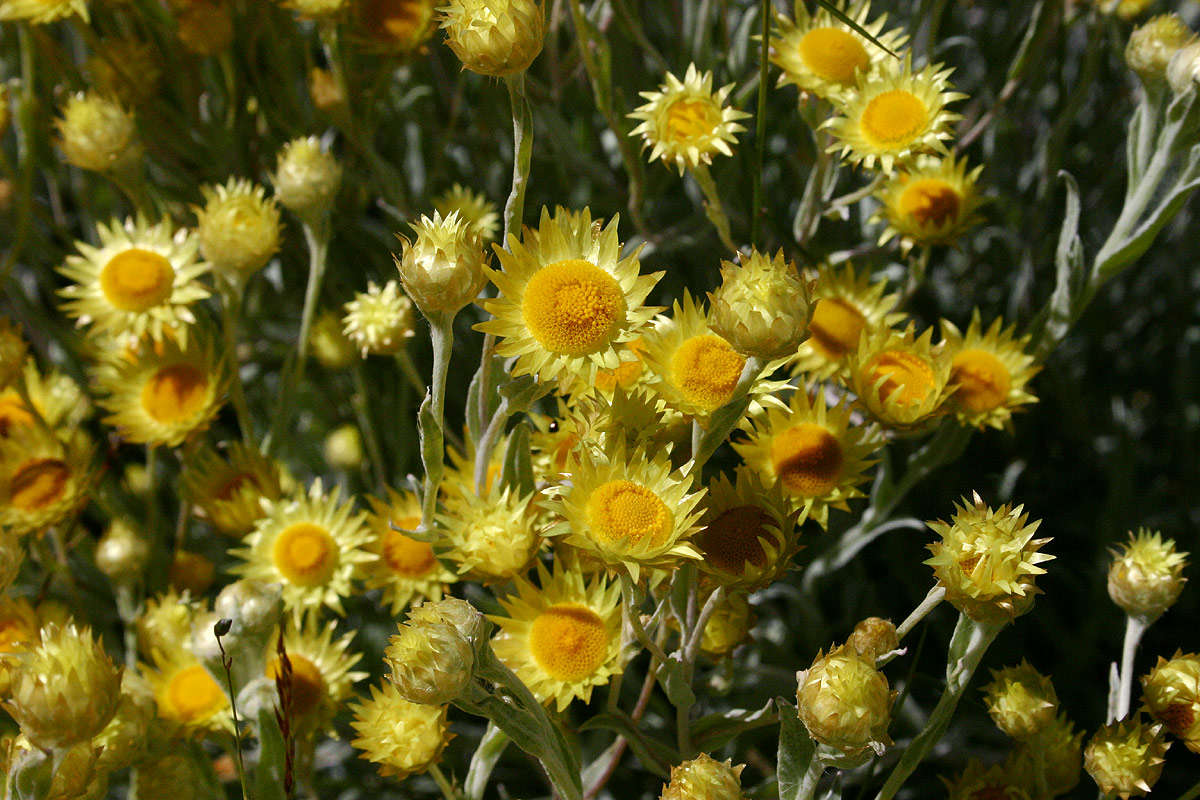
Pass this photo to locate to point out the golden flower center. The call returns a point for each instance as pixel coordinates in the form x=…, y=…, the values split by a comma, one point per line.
x=706, y=369
x=38, y=483
x=833, y=54
x=13, y=414
x=175, y=393
x=894, y=118
x=573, y=307
x=627, y=514
x=136, y=279
x=835, y=327
x=689, y=119
x=931, y=202
x=404, y=555
x=308, y=686
x=982, y=379
x=305, y=553
x=731, y=540
x=569, y=641
x=194, y=695
x=908, y=379
x=807, y=459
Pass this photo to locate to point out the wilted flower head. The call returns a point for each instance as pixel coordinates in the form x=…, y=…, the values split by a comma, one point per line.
x=704, y=778
x=95, y=133
x=432, y=657
x=494, y=37
x=1146, y=575
x=442, y=268
x=1020, y=700
x=238, y=226
x=761, y=306
x=845, y=702
x=1126, y=758
x=1171, y=694
x=306, y=178
x=379, y=320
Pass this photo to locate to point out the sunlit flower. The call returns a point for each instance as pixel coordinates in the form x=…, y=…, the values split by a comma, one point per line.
x=228, y=488
x=747, y=533
x=189, y=699
x=989, y=371
x=94, y=132
x=307, y=177
x=845, y=702
x=442, y=267
x=379, y=320
x=494, y=37
x=407, y=568
x=761, y=306
x=397, y=26
x=1171, y=694
x=900, y=378
x=320, y=671
x=1126, y=758
x=1020, y=700
x=56, y=397
x=704, y=778
x=1146, y=575
x=491, y=538
x=43, y=479
x=238, y=227
x=400, y=736
x=933, y=202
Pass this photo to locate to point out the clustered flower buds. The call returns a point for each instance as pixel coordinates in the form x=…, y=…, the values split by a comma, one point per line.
x=704, y=778
x=1126, y=758
x=845, y=702
x=1146, y=575
x=761, y=306
x=432, y=657
x=1020, y=700
x=494, y=37
x=442, y=268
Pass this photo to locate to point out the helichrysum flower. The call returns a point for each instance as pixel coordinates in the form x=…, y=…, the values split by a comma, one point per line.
x=43, y=479
x=1171, y=694
x=95, y=133
x=845, y=304
x=894, y=114
x=813, y=452
x=312, y=544
x=747, y=533
x=320, y=671
x=1020, y=700
x=397, y=26
x=989, y=372
x=307, y=177
x=161, y=395
x=761, y=307
x=728, y=626
x=629, y=510
x=400, y=736
x=122, y=553
x=494, y=37
x=165, y=622
x=978, y=781
x=685, y=122
x=567, y=298
x=845, y=703
x=490, y=538
x=432, y=656
x=473, y=207
x=19, y=631
x=704, y=778
x=1152, y=44
x=40, y=12
x=442, y=267
x=1146, y=575
x=873, y=638
x=13, y=349
x=67, y=690
x=56, y=397
x=820, y=53
x=988, y=560
x=932, y=202
x=238, y=227
x=228, y=488
x=379, y=320
x=1056, y=751
x=1126, y=758
x=407, y=568
x=140, y=282
x=189, y=698
x=1183, y=70
x=900, y=378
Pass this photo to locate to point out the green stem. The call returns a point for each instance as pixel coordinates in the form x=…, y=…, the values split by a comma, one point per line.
x=443, y=784
x=1192, y=793
x=1134, y=629
x=760, y=128
x=487, y=443
x=232, y=292
x=931, y=601
x=432, y=420
x=522, y=115
x=487, y=754
x=713, y=208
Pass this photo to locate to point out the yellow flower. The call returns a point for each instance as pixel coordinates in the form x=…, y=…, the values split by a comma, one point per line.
x=43, y=479
x=845, y=304
x=311, y=544
x=491, y=538
x=988, y=372
x=820, y=53
x=728, y=626
x=306, y=178
x=407, y=568
x=685, y=122
x=442, y=268
x=900, y=378
x=473, y=207
x=1056, y=751
x=189, y=699
x=228, y=489
x=379, y=320
x=397, y=26
x=1171, y=694
x=1020, y=700
x=979, y=781
x=402, y=737
x=562, y=639
x=567, y=298
x=19, y=631
x=812, y=452
x=845, y=702
x=1152, y=45
x=1146, y=575
x=932, y=202
x=166, y=622
x=1126, y=758
x=432, y=655
x=56, y=397
x=987, y=560
x=704, y=778
x=40, y=12
x=238, y=227
x=140, y=282
x=161, y=395
x=494, y=37
x=893, y=115
x=320, y=672
x=629, y=510
x=761, y=306
x=747, y=534
x=95, y=133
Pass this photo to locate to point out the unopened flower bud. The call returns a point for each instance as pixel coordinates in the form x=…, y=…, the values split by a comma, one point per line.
x=379, y=320
x=1183, y=70
x=253, y=606
x=1020, y=700
x=306, y=178
x=343, y=447
x=122, y=553
x=238, y=227
x=1171, y=694
x=97, y=134
x=494, y=37
x=1056, y=751
x=442, y=268
x=1146, y=575
x=704, y=778
x=432, y=657
x=329, y=344
x=761, y=306
x=845, y=702
x=1152, y=45
x=728, y=626
x=1126, y=758
x=873, y=637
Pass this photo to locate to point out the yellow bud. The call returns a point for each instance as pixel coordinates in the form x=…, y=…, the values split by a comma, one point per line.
x=97, y=134
x=165, y=623
x=306, y=178
x=432, y=657
x=479, y=212
x=761, y=306
x=728, y=626
x=980, y=782
x=379, y=320
x=704, y=778
x=1152, y=45
x=1183, y=70
x=1126, y=758
x=873, y=637
x=442, y=269
x=206, y=28
x=845, y=703
x=329, y=344
x=1171, y=694
x=67, y=690
x=494, y=37
x=344, y=448
x=238, y=227
x=1146, y=575
x=1020, y=700
x=400, y=736
x=122, y=553
x=1057, y=749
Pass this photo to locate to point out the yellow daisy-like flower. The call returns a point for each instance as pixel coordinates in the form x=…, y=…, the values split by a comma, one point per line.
x=321, y=671
x=685, y=122
x=567, y=298
x=989, y=371
x=894, y=114
x=490, y=538
x=139, y=282
x=900, y=378
x=228, y=489
x=562, y=639
x=628, y=510
x=19, y=626
x=845, y=304
x=747, y=532
x=311, y=545
x=43, y=479
x=56, y=397
x=812, y=452
x=166, y=622
x=402, y=737
x=163, y=394
x=379, y=320
x=189, y=699
x=934, y=202
x=39, y=12
x=407, y=568
x=474, y=207
x=820, y=53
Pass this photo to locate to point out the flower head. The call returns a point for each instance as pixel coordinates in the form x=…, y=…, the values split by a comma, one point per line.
x=761, y=306
x=1056, y=751
x=900, y=378
x=39, y=12
x=873, y=638
x=1171, y=694
x=379, y=320
x=494, y=37
x=442, y=268
x=407, y=568
x=329, y=344
x=1146, y=575
x=228, y=488
x=398, y=27
x=43, y=479
x=1020, y=700
x=845, y=703
x=238, y=226
x=989, y=372
x=402, y=737
x=704, y=778
x=979, y=781
x=747, y=533
x=491, y=538
x=1152, y=44
x=95, y=133
x=472, y=207
x=306, y=178
x=432, y=657
x=932, y=202
x=122, y=553
x=1126, y=758
x=189, y=698
x=319, y=671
